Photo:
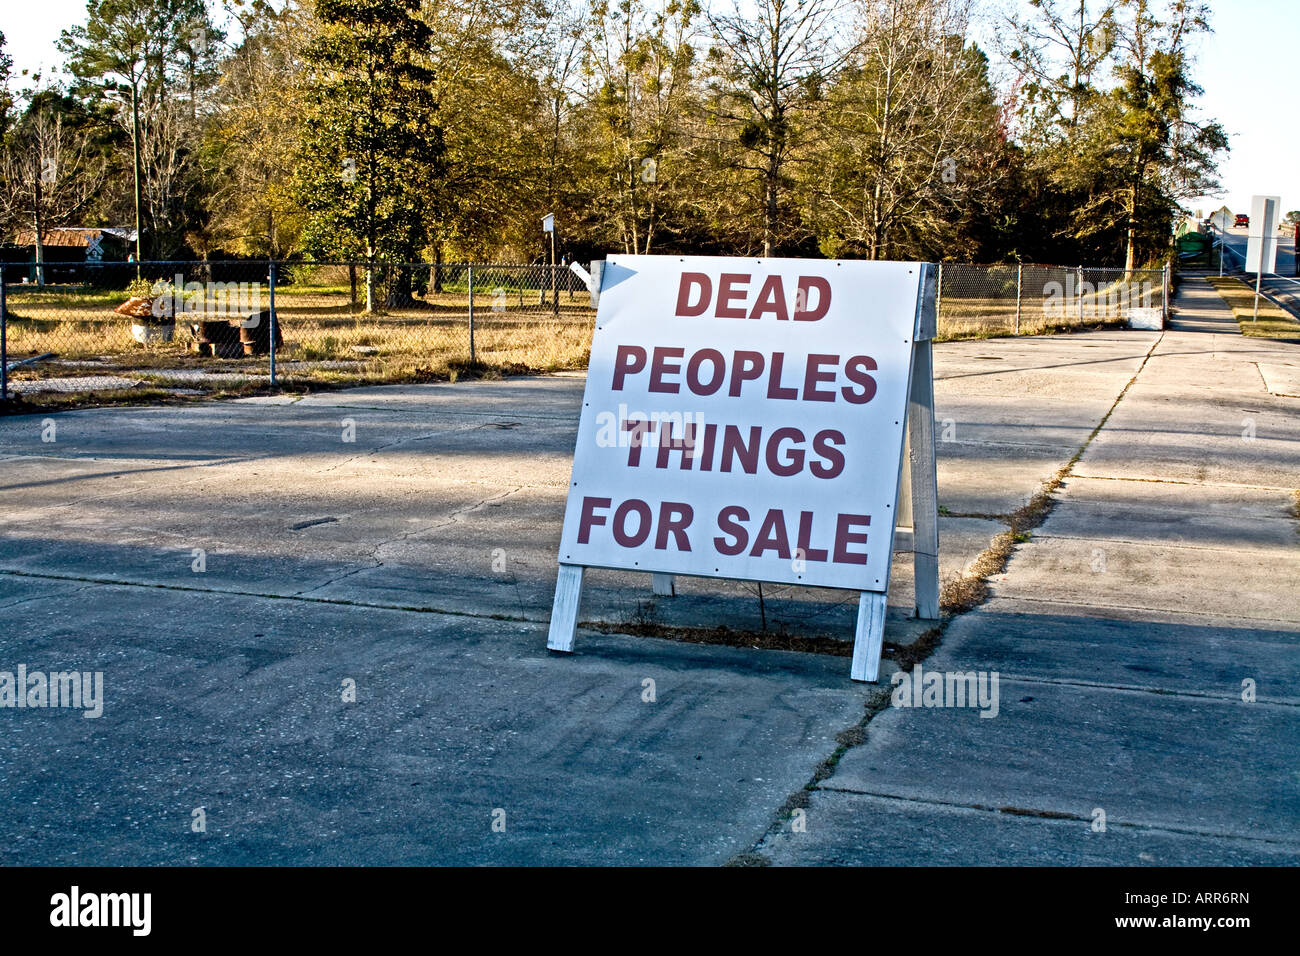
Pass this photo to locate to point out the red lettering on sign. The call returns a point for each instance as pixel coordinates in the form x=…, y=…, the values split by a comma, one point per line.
x=729, y=519
x=794, y=463
x=644, y=523
x=845, y=536
x=832, y=463
x=629, y=360
x=856, y=372
x=589, y=518
x=771, y=298
x=806, y=285
x=674, y=518
x=692, y=281
x=728, y=293
x=771, y=536
x=659, y=367
x=806, y=550
x=774, y=387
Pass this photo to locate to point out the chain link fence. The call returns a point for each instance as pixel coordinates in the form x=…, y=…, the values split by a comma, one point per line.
x=90, y=329
x=230, y=327
x=1030, y=299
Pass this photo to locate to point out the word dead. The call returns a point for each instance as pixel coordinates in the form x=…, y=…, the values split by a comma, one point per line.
x=695, y=295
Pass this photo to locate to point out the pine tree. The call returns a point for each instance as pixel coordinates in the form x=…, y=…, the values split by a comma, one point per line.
x=371, y=145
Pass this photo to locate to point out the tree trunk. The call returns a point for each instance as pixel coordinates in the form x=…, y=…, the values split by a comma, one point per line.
x=1130, y=254
x=400, y=295
x=370, y=278
x=770, y=204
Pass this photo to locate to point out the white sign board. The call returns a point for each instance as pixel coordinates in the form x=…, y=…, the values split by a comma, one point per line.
x=1261, y=246
x=744, y=419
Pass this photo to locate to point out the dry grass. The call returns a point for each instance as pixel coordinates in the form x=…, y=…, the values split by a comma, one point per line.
x=975, y=318
x=970, y=589
x=1274, y=322
x=324, y=339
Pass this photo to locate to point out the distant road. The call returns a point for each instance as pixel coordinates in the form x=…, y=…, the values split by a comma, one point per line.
x=1283, y=287
x=1234, y=241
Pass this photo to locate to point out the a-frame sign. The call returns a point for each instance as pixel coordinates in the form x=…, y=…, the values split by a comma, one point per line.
x=758, y=419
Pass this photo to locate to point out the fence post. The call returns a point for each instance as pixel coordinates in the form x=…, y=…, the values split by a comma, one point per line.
x=1078, y=288
x=4, y=341
x=1164, y=294
x=938, y=294
x=270, y=275
x=471, y=315
x=1020, y=271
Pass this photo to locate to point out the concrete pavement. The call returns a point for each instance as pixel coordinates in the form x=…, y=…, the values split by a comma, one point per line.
x=1146, y=640
x=417, y=560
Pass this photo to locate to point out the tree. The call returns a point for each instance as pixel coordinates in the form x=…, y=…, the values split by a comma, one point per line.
x=492, y=114
x=640, y=62
x=155, y=54
x=767, y=70
x=371, y=147
x=1158, y=155
x=1059, y=52
x=49, y=172
x=1063, y=52
x=6, y=98
x=911, y=143
x=251, y=135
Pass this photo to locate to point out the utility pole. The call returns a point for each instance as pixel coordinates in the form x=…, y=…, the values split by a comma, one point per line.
x=135, y=149
x=548, y=225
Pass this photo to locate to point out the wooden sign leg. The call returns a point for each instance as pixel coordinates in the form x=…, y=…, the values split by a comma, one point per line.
x=869, y=638
x=564, y=612
x=924, y=483
x=662, y=585
x=903, y=514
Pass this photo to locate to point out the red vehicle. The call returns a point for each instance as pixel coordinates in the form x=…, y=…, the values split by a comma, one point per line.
x=1242, y=220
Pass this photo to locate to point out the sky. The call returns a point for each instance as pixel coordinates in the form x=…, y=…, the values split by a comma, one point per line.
x=1249, y=69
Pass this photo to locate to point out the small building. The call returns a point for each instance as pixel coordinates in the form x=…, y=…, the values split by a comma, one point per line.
x=65, y=249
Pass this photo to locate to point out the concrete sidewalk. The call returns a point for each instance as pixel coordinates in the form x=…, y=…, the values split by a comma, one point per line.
x=1128, y=633
x=418, y=561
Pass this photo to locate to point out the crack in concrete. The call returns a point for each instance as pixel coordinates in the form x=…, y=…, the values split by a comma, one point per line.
x=451, y=518
x=1038, y=508
x=1176, y=481
x=1013, y=596
x=1171, y=545
x=419, y=609
x=1061, y=817
x=1223, y=697
x=48, y=597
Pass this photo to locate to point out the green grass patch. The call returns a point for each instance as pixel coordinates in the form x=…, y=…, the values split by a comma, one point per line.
x=1274, y=322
